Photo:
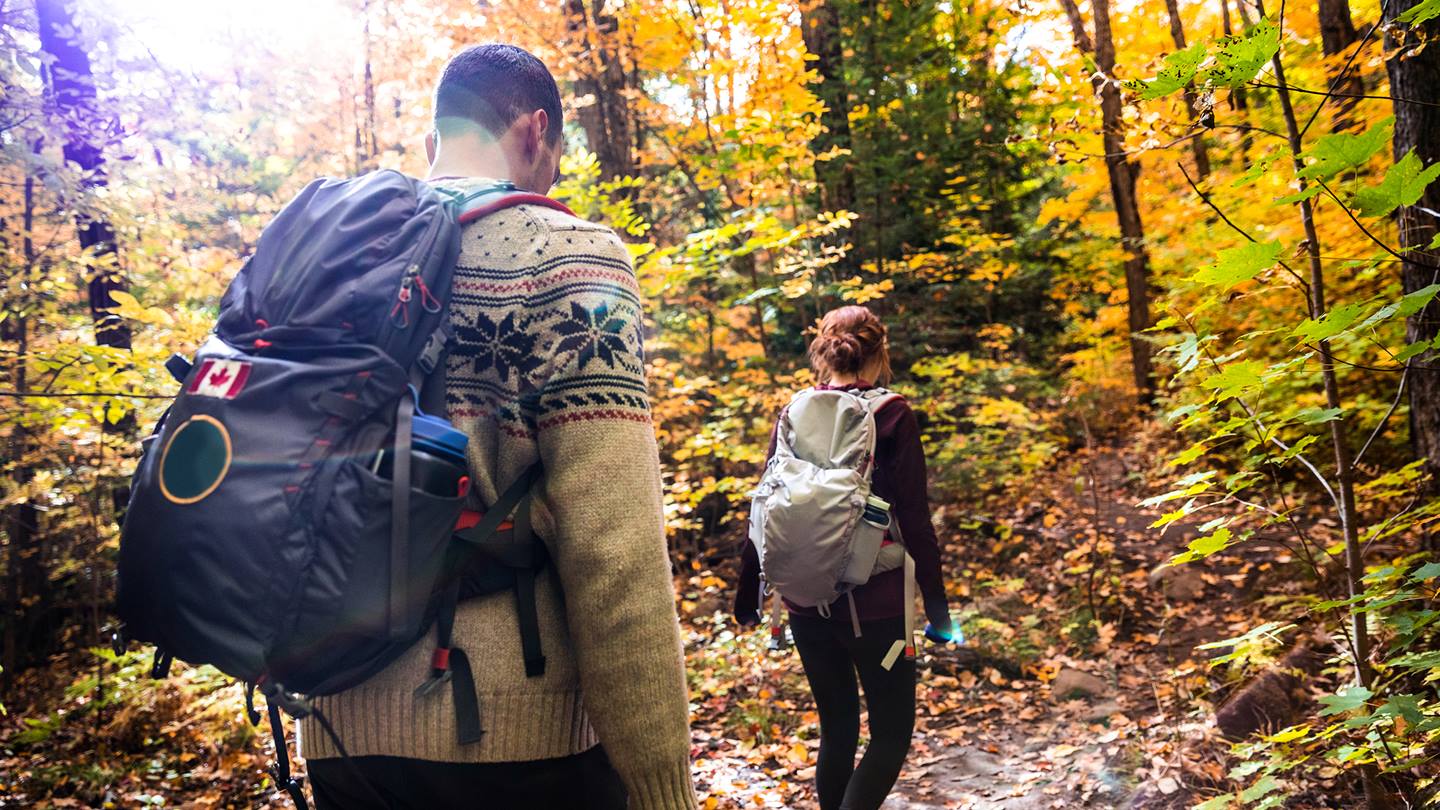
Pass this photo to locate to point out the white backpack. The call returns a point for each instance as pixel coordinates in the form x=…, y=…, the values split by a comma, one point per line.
x=817, y=527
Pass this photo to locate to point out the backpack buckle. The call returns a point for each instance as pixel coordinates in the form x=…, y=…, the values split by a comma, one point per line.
x=429, y=357
x=432, y=684
x=297, y=706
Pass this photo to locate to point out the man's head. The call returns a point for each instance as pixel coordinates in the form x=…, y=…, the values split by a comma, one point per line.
x=499, y=97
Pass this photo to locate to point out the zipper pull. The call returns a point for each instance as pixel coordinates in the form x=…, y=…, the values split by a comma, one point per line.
x=400, y=313
x=430, y=303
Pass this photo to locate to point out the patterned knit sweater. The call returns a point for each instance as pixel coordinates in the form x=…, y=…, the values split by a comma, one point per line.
x=547, y=365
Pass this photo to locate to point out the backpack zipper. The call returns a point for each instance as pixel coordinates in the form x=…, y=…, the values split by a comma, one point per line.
x=411, y=282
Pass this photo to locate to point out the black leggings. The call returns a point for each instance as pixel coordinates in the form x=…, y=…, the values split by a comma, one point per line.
x=831, y=655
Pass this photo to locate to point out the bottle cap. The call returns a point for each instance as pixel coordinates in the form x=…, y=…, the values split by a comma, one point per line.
x=437, y=436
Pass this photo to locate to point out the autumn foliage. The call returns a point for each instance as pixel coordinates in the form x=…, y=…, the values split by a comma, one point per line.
x=1161, y=279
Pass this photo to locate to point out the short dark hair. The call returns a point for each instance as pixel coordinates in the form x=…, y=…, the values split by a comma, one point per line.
x=493, y=85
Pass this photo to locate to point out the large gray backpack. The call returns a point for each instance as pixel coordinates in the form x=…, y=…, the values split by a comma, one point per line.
x=819, y=530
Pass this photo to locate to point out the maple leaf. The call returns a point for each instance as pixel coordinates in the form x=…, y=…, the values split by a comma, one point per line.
x=1346, y=700
x=1404, y=184
x=1342, y=151
x=1420, y=13
x=1332, y=323
x=1242, y=57
x=1235, y=379
x=1179, y=71
x=1239, y=264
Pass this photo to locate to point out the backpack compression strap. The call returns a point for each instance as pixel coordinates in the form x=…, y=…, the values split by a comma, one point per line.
x=452, y=662
x=472, y=207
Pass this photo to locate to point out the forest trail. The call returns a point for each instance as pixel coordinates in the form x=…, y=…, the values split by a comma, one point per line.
x=1044, y=711
x=1100, y=732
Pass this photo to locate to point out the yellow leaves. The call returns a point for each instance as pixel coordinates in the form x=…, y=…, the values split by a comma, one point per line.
x=856, y=290
x=1063, y=209
x=993, y=271
x=131, y=309
x=797, y=287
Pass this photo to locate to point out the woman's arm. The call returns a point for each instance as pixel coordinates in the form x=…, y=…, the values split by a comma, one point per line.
x=905, y=469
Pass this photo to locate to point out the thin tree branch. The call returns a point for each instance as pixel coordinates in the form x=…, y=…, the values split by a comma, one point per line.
x=1372, y=237
x=1308, y=92
x=1374, y=434
x=1304, y=285
x=77, y=394
x=1340, y=77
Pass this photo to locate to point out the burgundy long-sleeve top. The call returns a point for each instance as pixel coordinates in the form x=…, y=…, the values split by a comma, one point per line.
x=900, y=478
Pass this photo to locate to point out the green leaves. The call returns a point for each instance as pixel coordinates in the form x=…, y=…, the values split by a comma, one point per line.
x=1319, y=416
x=1341, y=151
x=1416, y=301
x=1235, y=379
x=1264, y=786
x=1347, y=700
x=1420, y=13
x=1237, y=62
x=1179, y=71
x=1403, y=185
x=1332, y=323
x=1202, y=547
x=1240, y=58
x=1426, y=571
x=1239, y=264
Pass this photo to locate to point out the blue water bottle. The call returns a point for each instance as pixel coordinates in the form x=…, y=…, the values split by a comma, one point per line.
x=957, y=637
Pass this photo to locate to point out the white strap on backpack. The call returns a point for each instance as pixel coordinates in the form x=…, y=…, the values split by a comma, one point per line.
x=906, y=644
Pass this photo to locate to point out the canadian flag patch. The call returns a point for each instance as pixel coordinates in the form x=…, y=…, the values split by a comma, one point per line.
x=222, y=379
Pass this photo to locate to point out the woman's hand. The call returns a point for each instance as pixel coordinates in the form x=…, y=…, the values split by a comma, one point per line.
x=940, y=628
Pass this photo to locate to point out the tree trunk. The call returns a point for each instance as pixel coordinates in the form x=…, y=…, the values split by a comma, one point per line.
x=602, y=85
x=1337, y=32
x=1415, y=75
x=820, y=26
x=369, y=143
x=745, y=264
x=72, y=100
x=1192, y=100
x=25, y=572
x=1123, y=175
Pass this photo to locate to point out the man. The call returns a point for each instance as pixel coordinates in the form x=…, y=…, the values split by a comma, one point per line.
x=546, y=365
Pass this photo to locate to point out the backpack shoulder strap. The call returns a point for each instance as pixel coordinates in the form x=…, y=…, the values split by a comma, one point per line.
x=483, y=202
x=877, y=398
x=873, y=399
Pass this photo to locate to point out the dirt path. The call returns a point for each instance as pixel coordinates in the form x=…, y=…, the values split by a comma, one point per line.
x=1045, y=708
x=1102, y=731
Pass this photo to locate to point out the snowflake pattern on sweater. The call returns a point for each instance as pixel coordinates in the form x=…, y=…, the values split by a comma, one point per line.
x=558, y=341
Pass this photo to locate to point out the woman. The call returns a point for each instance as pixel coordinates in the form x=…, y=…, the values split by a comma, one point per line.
x=850, y=353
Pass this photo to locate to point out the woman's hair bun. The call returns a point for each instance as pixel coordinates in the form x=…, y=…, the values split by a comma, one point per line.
x=842, y=353
x=849, y=339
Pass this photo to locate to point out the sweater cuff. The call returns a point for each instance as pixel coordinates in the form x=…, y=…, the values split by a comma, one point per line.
x=663, y=789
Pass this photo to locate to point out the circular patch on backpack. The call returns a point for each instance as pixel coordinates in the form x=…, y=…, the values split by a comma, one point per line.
x=195, y=460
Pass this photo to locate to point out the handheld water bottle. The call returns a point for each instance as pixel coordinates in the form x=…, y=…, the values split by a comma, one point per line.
x=956, y=637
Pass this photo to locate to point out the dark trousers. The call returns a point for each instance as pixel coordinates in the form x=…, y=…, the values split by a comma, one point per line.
x=832, y=656
x=584, y=780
